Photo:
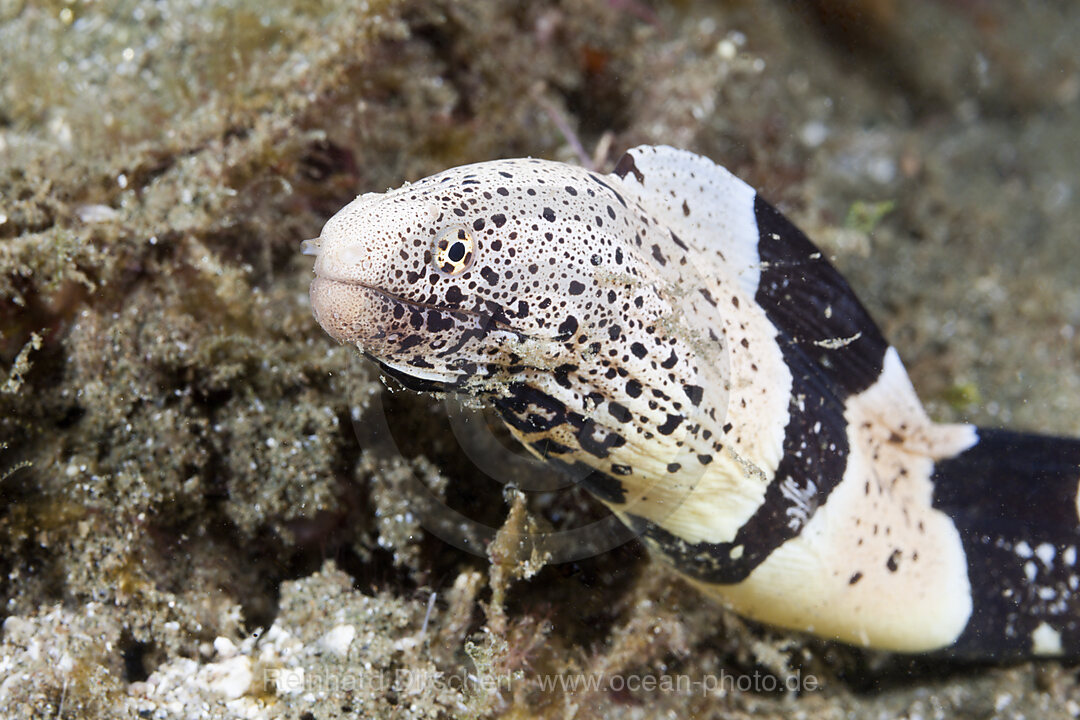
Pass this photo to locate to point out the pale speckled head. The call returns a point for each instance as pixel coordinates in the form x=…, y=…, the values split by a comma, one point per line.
x=482, y=267
x=552, y=293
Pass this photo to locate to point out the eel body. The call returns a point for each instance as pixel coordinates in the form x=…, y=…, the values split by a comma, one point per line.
x=735, y=405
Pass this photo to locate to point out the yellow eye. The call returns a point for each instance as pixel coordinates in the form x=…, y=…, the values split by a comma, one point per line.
x=454, y=250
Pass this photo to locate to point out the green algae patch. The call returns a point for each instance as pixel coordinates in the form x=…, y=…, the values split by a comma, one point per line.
x=865, y=216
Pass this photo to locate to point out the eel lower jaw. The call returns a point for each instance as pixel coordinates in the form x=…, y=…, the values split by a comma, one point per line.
x=354, y=313
x=345, y=310
x=408, y=378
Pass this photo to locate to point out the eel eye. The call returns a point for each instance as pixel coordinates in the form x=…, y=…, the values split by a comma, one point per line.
x=454, y=250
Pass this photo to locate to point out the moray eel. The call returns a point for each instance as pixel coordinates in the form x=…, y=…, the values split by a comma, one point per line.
x=669, y=331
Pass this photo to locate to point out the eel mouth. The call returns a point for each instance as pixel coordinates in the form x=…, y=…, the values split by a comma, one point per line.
x=355, y=312
x=367, y=317
x=344, y=309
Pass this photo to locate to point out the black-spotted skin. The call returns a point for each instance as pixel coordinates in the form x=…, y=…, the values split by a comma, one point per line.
x=566, y=321
x=670, y=331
